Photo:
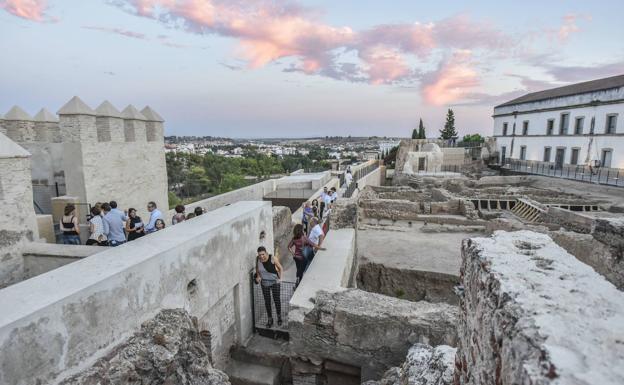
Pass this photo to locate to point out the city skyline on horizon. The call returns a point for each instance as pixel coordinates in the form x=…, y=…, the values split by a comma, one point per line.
x=210, y=69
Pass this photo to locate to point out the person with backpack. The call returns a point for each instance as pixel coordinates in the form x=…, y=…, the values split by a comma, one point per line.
x=268, y=275
x=97, y=229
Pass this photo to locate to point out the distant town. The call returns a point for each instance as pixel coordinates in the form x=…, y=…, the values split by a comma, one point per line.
x=359, y=148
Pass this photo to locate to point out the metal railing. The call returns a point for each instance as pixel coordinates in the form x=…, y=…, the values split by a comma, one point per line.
x=600, y=175
x=357, y=175
x=277, y=297
x=456, y=168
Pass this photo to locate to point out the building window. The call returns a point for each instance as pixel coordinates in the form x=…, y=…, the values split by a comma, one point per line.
x=522, y=152
x=574, y=155
x=547, y=154
x=578, y=125
x=503, y=154
x=550, y=126
x=605, y=159
x=525, y=127
x=504, y=129
x=564, y=123
x=611, y=122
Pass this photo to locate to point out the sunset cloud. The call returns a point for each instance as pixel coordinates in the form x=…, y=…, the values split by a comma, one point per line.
x=452, y=81
x=33, y=10
x=287, y=30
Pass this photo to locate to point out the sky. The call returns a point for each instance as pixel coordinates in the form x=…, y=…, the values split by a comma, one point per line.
x=282, y=68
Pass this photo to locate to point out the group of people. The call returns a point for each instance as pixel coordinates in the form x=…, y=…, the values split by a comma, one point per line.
x=110, y=226
x=307, y=239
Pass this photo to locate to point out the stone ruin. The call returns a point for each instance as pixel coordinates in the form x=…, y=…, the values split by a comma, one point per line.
x=434, y=280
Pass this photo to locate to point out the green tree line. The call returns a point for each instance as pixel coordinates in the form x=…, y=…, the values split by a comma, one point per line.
x=192, y=176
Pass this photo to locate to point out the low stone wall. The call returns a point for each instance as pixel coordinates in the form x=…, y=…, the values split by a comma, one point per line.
x=344, y=214
x=365, y=330
x=393, y=209
x=40, y=258
x=610, y=231
x=409, y=284
x=534, y=314
x=594, y=253
x=571, y=220
x=59, y=323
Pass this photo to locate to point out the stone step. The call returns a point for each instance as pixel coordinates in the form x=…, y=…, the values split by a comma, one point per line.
x=245, y=373
x=263, y=351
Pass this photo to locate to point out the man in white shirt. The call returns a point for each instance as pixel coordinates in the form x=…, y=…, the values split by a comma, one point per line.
x=327, y=200
x=316, y=235
x=155, y=214
x=348, y=178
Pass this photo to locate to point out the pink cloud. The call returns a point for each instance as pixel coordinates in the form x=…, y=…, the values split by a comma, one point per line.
x=33, y=10
x=452, y=81
x=288, y=30
x=384, y=64
x=568, y=27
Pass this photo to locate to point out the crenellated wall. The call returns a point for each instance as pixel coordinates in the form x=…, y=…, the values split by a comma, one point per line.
x=96, y=155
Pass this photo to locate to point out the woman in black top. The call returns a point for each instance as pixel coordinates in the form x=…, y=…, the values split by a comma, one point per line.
x=69, y=226
x=134, y=225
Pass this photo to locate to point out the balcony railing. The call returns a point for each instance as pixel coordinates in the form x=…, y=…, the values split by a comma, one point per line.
x=357, y=175
x=583, y=173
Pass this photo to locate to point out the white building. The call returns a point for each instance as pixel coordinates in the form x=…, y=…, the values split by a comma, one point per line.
x=579, y=124
x=386, y=145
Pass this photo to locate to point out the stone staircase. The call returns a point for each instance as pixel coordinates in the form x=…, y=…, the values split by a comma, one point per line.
x=528, y=211
x=263, y=361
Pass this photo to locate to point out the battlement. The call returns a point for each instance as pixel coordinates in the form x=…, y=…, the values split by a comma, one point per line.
x=77, y=122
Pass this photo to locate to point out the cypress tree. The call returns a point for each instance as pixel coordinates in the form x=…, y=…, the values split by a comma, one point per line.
x=449, y=131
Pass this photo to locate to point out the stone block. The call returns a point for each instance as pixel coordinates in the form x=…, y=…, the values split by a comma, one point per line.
x=392, y=326
x=46, y=228
x=533, y=314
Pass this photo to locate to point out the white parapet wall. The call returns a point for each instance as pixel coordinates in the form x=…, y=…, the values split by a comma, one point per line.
x=330, y=271
x=254, y=192
x=60, y=322
x=534, y=314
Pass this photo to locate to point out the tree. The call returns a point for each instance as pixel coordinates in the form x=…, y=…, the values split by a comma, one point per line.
x=421, y=130
x=415, y=134
x=449, y=131
x=472, y=138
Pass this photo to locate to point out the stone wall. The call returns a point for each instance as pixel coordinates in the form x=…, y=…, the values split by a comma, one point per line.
x=169, y=349
x=534, y=314
x=407, y=283
x=389, y=327
x=424, y=365
x=596, y=254
x=393, y=209
x=60, y=322
x=40, y=257
x=571, y=220
x=282, y=233
x=18, y=224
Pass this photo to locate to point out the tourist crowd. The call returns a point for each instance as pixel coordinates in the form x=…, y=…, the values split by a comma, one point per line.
x=110, y=226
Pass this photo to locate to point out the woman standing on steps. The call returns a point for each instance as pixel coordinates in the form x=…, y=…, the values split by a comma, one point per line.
x=268, y=275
